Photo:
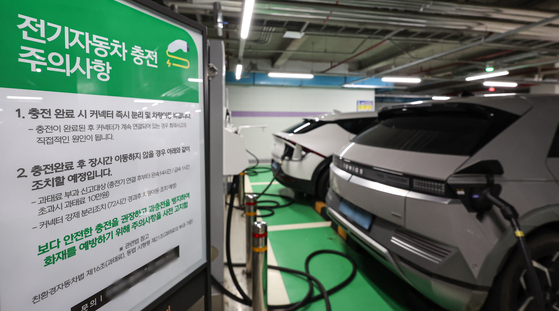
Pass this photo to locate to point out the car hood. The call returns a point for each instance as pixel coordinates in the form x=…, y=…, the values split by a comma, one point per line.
x=433, y=166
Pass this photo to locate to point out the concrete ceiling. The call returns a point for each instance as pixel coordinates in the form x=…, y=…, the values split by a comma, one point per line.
x=441, y=42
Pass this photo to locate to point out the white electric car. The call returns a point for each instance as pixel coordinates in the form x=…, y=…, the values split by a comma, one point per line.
x=396, y=189
x=301, y=154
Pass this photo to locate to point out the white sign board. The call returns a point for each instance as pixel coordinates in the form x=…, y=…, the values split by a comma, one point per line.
x=102, y=171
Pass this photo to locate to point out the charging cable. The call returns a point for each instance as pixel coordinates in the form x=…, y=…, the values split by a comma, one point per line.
x=244, y=299
x=509, y=213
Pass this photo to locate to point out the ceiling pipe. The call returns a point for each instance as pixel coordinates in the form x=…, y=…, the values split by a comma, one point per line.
x=366, y=50
x=523, y=66
x=437, y=7
x=410, y=18
x=414, y=40
x=467, y=46
x=418, y=40
x=295, y=52
x=297, y=11
x=354, y=56
x=265, y=36
x=436, y=82
x=460, y=62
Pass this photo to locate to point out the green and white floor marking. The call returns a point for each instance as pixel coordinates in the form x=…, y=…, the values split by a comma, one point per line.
x=298, y=230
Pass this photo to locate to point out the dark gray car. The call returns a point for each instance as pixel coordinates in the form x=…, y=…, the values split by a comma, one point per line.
x=392, y=191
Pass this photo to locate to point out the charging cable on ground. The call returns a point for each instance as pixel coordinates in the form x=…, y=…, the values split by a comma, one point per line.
x=510, y=214
x=272, y=204
x=244, y=299
x=254, y=170
x=268, y=205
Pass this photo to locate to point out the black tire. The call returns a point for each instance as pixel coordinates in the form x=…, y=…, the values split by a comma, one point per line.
x=508, y=293
x=322, y=185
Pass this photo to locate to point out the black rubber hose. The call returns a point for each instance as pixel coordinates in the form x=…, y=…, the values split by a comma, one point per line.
x=294, y=306
x=307, y=299
x=275, y=204
x=253, y=170
x=267, y=187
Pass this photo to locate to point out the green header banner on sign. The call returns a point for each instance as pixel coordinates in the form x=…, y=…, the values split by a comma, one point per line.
x=107, y=50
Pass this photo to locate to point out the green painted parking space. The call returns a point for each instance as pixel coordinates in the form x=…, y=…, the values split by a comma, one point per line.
x=374, y=287
x=297, y=213
x=264, y=175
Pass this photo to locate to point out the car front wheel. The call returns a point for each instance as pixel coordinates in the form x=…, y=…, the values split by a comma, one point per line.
x=510, y=292
x=322, y=185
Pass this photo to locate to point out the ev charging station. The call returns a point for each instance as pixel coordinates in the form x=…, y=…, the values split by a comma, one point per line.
x=105, y=126
x=119, y=152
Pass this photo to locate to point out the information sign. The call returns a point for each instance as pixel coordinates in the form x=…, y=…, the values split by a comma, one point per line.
x=365, y=105
x=102, y=188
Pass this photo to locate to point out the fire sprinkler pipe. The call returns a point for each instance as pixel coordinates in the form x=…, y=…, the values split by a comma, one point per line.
x=492, y=38
x=354, y=56
x=460, y=62
x=366, y=50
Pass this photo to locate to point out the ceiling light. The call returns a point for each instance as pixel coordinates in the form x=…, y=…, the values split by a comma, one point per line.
x=499, y=94
x=290, y=75
x=440, y=97
x=501, y=84
x=247, y=17
x=238, y=71
x=362, y=86
x=488, y=75
x=194, y=79
x=24, y=97
x=417, y=102
x=401, y=80
x=293, y=35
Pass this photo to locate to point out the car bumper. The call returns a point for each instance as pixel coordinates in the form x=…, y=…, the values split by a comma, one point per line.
x=380, y=243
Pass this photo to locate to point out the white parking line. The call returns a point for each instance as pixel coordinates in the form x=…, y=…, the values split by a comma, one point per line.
x=277, y=295
x=248, y=184
x=300, y=226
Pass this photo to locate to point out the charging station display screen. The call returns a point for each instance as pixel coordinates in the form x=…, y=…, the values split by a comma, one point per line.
x=102, y=168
